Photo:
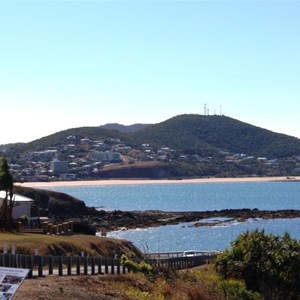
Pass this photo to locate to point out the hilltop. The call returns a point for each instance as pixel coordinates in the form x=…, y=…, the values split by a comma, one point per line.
x=125, y=128
x=184, y=146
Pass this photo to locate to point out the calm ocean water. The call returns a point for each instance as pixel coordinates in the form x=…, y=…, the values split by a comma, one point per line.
x=194, y=197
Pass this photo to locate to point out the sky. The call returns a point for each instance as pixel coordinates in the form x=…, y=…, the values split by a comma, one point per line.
x=66, y=64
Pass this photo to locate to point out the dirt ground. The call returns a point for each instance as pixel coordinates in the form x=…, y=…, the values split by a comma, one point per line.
x=71, y=287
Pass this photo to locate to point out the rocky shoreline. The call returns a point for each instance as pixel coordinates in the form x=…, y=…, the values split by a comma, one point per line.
x=141, y=219
x=60, y=207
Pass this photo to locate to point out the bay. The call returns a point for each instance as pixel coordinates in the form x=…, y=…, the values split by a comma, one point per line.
x=194, y=197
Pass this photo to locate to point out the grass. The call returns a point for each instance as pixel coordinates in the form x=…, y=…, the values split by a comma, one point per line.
x=65, y=245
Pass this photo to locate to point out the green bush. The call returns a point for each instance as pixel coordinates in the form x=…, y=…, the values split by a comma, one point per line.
x=236, y=290
x=268, y=264
x=129, y=264
x=142, y=267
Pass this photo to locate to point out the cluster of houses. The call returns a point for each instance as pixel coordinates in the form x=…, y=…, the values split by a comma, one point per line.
x=80, y=158
x=77, y=158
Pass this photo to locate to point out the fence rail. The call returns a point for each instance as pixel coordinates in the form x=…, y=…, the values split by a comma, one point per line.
x=181, y=253
x=179, y=263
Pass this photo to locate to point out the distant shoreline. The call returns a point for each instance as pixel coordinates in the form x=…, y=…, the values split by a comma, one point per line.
x=104, y=182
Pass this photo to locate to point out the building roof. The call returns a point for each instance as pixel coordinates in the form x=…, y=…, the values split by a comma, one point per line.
x=17, y=197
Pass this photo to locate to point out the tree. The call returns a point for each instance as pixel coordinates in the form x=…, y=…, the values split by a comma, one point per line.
x=6, y=185
x=268, y=264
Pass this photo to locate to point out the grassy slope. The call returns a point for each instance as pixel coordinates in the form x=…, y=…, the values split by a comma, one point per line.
x=65, y=245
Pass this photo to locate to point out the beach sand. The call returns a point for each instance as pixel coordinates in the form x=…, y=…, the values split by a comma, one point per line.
x=155, y=181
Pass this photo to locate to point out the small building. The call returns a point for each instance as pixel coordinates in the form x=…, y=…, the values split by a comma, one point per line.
x=21, y=206
x=59, y=167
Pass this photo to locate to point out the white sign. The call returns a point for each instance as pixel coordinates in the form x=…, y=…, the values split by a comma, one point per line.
x=10, y=281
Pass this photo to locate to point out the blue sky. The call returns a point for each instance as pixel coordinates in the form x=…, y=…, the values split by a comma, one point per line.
x=66, y=64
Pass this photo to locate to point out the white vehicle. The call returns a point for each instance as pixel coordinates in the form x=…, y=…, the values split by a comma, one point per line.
x=189, y=253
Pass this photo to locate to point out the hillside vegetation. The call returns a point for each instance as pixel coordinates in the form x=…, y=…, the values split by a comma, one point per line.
x=206, y=135
x=203, y=135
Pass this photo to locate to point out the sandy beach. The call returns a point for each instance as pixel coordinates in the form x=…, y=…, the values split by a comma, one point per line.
x=153, y=181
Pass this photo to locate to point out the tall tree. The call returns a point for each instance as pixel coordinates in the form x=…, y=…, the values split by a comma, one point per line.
x=6, y=185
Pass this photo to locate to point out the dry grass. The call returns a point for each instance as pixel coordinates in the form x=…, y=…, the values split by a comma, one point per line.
x=64, y=245
x=198, y=284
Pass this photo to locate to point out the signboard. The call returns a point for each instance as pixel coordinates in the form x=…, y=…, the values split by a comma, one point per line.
x=10, y=281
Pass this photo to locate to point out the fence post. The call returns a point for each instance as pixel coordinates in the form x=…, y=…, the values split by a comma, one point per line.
x=118, y=267
x=99, y=265
x=16, y=260
x=69, y=262
x=30, y=265
x=85, y=264
x=51, y=264
x=60, y=266
x=55, y=229
x=23, y=261
x=6, y=260
x=93, y=265
x=106, y=265
x=50, y=229
x=78, y=258
x=113, y=266
x=40, y=265
x=71, y=224
x=59, y=229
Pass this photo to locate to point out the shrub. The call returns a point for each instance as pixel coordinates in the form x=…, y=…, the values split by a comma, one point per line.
x=148, y=270
x=268, y=264
x=236, y=290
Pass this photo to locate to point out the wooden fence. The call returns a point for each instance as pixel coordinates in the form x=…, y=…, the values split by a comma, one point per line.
x=179, y=263
x=169, y=254
x=40, y=266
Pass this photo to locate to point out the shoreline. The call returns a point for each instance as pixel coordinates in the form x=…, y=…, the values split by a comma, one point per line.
x=104, y=182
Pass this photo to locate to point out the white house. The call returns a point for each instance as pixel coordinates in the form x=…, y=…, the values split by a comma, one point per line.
x=21, y=206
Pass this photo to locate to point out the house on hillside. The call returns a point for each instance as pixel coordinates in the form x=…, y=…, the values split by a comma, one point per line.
x=21, y=207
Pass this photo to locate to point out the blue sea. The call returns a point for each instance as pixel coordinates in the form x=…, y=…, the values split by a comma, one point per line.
x=194, y=197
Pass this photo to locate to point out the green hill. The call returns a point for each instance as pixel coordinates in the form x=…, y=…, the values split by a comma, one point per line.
x=60, y=137
x=207, y=135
